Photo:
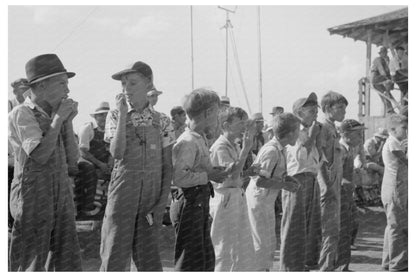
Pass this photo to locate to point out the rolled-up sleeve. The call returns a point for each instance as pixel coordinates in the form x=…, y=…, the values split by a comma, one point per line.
x=27, y=129
x=184, y=175
x=85, y=136
x=267, y=161
x=110, y=125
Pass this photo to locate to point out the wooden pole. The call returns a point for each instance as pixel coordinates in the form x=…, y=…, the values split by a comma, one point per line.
x=192, y=48
x=368, y=73
x=260, y=72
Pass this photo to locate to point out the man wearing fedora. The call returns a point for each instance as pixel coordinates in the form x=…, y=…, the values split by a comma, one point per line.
x=277, y=110
x=40, y=131
x=141, y=142
x=95, y=161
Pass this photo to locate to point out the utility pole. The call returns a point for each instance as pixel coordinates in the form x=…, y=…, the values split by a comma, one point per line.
x=192, y=48
x=260, y=71
x=226, y=27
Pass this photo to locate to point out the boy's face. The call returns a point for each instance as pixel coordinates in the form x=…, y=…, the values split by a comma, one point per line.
x=293, y=136
x=135, y=87
x=400, y=131
x=337, y=111
x=353, y=138
x=308, y=115
x=237, y=126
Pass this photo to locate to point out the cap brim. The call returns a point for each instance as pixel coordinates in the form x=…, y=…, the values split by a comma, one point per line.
x=117, y=76
x=69, y=74
x=153, y=92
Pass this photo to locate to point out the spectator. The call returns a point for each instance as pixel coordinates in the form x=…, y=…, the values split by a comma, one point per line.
x=258, y=138
x=262, y=190
x=351, y=137
x=381, y=78
x=394, y=191
x=95, y=161
x=40, y=131
x=277, y=110
x=178, y=119
x=140, y=142
x=329, y=178
x=153, y=96
x=193, y=171
x=399, y=70
x=301, y=220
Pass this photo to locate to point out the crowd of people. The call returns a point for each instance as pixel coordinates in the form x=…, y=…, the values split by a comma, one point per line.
x=228, y=167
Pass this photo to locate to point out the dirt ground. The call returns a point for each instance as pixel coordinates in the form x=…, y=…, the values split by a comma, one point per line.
x=367, y=257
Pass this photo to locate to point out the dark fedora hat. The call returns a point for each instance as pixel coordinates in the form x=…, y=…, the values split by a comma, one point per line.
x=45, y=66
x=139, y=67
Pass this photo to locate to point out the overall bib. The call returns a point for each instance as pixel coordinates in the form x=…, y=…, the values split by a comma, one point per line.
x=44, y=235
x=134, y=189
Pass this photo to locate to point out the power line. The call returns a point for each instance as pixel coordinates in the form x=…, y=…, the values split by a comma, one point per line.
x=75, y=28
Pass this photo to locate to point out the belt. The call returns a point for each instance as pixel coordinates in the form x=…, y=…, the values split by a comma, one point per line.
x=200, y=187
x=306, y=174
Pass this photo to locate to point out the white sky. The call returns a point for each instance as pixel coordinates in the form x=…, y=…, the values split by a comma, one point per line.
x=298, y=54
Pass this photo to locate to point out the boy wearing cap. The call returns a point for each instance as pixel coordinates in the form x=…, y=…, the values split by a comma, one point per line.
x=95, y=161
x=301, y=219
x=351, y=137
x=40, y=131
x=394, y=195
x=140, y=142
x=262, y=190
x=230, y=229
x=179, y=120
x=193, y=171
x=329, y=178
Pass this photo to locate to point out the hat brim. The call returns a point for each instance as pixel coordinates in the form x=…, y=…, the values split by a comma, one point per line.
x=99, y=112
x=381, y=136
x=153, y=92
x=117, y=76
x=69, y=74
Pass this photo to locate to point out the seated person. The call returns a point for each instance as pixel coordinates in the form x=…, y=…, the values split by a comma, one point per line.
x=399, y=70
x=95, y=161
x=381, y=78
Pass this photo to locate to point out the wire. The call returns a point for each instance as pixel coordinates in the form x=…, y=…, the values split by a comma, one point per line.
x=75, y=28
x=240, y=74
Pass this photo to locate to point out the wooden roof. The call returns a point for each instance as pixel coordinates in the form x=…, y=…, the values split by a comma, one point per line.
x=395, y=22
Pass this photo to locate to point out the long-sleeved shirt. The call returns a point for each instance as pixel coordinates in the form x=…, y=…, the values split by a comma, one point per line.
x=191, y=160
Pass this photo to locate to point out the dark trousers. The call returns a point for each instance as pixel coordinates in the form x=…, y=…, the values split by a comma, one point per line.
x=347, y=225
x=189, y=213
x=10, y=179
x=301, y=225
x=85, y=186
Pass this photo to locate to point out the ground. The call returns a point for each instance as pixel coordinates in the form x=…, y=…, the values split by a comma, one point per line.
x=367, y=257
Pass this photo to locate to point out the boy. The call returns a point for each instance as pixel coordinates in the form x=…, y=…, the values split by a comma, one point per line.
x=351, y=137
x=192, y=171
x=262, y=190
x=394, y=195
x=140, y=140
x=329, y=178
x=230, y=230
x=301, y=220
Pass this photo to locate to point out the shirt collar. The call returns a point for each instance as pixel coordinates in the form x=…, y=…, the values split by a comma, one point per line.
x=149, y=107
x=277, y=143
x=32, y=105
x=342, y=142
x=226, y=141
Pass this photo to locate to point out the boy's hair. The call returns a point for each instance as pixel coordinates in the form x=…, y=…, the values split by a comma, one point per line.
x=199, y=100
x=395, y=120
x=332, y=98
x=229, y=113
x=285, y=123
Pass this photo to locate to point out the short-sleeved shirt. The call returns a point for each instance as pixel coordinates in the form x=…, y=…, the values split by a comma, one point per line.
x=392, y=165
x=25, y=133
x=299, y=159
x=271, y=158
x=225, y=153
x=145, y=118
x=191, y=160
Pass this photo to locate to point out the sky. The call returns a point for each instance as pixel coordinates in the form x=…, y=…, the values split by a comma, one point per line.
x=299, y=55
